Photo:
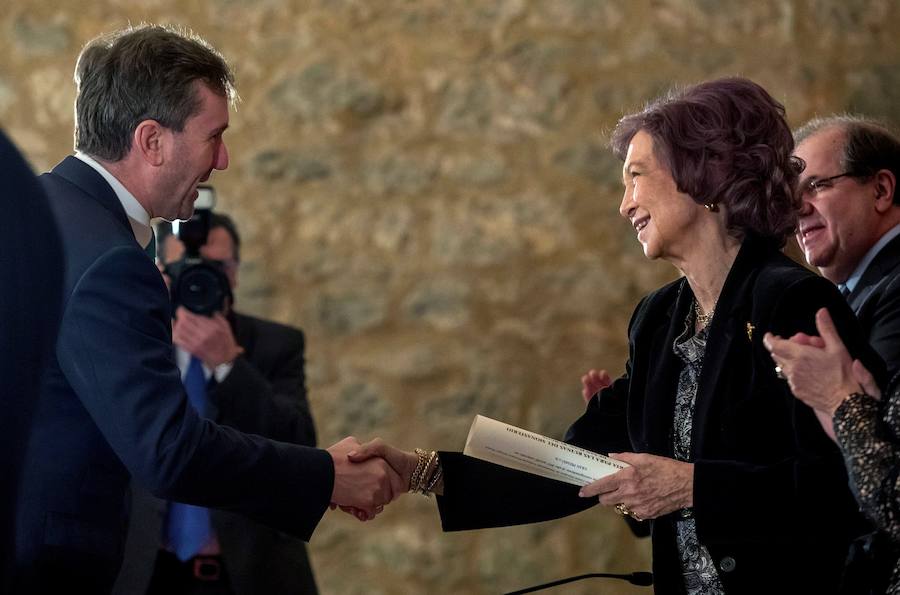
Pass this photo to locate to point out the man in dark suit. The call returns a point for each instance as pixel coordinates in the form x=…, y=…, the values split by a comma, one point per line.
x=850, y=220
x=151, y=109
x=29, y=307
x=257, y=385
x=849, y=228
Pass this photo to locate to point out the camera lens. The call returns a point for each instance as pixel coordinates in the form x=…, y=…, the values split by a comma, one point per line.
x=201, y=289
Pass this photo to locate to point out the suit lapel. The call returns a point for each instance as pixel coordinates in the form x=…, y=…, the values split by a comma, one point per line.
x=659, y=408
x=86, y=178
x=881, y=268
x=727, y=326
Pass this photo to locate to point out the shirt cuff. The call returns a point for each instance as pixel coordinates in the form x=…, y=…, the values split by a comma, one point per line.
x=222, y=371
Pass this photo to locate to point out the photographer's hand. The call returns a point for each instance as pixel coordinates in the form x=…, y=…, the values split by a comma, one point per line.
x=210, y=339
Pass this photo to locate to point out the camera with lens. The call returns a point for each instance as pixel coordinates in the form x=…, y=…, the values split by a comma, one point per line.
x=199, y=284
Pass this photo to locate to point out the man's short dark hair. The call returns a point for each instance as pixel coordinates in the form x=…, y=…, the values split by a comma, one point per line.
x=142, y=73
x=727, y=141
x=227, y=223
x=869, y=145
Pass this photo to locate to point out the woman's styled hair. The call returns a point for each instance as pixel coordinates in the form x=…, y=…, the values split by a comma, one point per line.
x=725, y=142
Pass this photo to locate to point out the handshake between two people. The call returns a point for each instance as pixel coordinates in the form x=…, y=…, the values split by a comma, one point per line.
x=369, y=476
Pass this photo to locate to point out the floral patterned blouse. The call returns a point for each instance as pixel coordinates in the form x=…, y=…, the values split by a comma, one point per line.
x=697, y=566
x=868, y=433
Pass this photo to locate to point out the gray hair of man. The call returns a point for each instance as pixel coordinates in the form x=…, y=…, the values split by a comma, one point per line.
x=146, y=72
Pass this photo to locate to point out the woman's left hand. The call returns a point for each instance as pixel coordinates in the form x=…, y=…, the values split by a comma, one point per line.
x=651, y=487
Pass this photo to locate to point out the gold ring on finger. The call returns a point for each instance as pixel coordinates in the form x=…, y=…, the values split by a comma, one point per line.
x=625, y=511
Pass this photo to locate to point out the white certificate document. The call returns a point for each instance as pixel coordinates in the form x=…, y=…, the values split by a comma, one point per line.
x=496, y=442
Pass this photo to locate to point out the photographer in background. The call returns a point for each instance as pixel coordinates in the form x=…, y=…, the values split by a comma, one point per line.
x=255, y=383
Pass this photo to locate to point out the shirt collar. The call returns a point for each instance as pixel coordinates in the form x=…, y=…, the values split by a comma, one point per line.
x=138, y=217
x=854, y=278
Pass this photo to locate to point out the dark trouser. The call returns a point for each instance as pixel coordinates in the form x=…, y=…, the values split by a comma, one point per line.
x=201, y=575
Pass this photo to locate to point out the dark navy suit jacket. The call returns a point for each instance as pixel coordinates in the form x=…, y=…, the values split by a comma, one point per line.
x=31, y=276
x=113, y=408
x=876, y=301
x=265, y=394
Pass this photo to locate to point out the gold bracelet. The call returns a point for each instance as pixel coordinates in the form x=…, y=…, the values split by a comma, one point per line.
x=427, y=472
x=417, y=473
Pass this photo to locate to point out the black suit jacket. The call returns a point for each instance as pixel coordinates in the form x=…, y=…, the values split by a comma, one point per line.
x=113, y=408
x=265, y=394
x=770, y=490
x=31, y=276
x=876, y=302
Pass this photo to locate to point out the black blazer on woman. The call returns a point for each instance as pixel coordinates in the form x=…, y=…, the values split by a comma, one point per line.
x=771, y=499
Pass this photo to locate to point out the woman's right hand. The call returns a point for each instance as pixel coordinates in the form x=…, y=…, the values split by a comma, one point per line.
x=593, y=382
x=402, y=462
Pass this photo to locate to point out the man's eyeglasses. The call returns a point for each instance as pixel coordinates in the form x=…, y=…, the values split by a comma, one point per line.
x=812, y=188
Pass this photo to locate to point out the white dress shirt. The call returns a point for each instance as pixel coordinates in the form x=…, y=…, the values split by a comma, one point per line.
x=138, y=217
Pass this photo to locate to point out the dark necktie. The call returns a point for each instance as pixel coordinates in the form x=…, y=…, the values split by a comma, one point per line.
x=188, y=527
x=845, y=291
x=151, y=247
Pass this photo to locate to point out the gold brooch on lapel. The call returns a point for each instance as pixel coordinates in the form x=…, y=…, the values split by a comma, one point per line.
x=750, y=329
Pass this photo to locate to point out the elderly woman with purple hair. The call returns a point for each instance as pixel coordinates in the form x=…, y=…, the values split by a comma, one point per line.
x=744, y=492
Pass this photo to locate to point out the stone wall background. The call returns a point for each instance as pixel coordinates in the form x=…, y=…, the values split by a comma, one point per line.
x=423, y=187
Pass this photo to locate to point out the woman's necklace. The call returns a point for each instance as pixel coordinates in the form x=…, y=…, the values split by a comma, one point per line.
x=703, y=318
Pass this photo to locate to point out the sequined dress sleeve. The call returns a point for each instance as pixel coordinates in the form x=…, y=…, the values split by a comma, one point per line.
x=867, y=431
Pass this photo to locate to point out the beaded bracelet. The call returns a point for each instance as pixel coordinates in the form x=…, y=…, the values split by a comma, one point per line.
x=439, y=471
x=427, y=473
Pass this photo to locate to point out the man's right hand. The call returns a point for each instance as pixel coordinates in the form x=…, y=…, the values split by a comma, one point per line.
x=365, y=487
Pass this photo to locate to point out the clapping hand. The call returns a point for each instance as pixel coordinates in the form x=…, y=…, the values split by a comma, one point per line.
x=819, y=370
x=593, y=382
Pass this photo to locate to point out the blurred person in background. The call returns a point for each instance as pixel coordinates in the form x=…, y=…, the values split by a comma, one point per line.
x=31, y=277
x=849, y=225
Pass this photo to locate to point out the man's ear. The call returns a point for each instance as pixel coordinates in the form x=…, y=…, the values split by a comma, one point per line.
x=885, y=184
x=148, y=140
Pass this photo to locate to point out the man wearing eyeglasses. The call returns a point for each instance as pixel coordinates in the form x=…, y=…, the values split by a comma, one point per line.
x=850, y=219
